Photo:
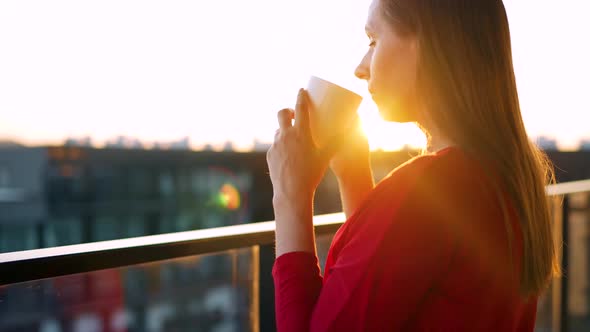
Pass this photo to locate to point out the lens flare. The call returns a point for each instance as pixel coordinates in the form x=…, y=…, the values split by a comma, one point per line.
x=229, y=197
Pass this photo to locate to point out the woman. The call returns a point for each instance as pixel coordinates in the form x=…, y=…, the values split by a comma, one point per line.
x=457, y=239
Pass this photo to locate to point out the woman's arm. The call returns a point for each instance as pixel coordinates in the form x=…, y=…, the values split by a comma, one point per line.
x=351, y=165
x=354, y=188
x=296, y=271
x=294, y=225
x=296, y=167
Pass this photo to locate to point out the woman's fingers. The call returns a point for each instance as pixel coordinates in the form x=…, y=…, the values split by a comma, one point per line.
x=300, y=115
x=302, y=111
x=285, y=116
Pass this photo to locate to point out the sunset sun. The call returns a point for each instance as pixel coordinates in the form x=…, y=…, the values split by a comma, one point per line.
x=388, y=136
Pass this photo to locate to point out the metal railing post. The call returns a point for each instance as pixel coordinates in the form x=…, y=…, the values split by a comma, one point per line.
x=267, y=290
x=563, y=312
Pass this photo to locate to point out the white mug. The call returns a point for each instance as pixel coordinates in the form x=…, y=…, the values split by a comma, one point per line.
x=332, y=110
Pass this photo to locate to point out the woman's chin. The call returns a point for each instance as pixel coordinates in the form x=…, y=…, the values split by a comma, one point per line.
x=395, y=114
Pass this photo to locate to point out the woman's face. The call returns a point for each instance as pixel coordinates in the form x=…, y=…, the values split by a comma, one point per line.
x=389, y=66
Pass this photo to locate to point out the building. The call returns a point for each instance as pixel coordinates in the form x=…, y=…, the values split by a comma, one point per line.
x=54, y=196
x=546, y=143
x=67, y=195
x=585, y=144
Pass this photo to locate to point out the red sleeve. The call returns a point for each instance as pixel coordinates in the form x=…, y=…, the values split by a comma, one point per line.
x=298, y=284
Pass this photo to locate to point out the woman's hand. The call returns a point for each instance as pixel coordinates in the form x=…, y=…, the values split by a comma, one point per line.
x=295, y=164
x=296, y=168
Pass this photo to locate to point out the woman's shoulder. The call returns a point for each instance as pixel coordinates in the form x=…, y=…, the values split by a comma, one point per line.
x=423, y=190
x=449, y=178
x=444, y=189
x=442, y=192
x=446, y=180
x=448, y=165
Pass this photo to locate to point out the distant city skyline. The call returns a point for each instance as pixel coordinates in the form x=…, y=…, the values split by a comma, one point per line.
x=161, y=71
x=184, y=143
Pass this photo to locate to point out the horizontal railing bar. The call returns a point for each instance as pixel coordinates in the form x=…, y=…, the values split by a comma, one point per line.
x=568, y=188
x=28, y=265
x=52, y=262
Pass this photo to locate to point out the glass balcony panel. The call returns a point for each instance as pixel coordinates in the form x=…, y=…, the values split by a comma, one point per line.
x=215, y=292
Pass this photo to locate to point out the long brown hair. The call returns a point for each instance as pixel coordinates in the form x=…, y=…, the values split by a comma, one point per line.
x=466, y=80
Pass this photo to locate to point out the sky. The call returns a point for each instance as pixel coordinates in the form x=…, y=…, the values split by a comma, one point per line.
x=220, y=70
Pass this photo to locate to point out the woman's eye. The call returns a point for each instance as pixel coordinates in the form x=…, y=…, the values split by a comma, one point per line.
x=372, y=43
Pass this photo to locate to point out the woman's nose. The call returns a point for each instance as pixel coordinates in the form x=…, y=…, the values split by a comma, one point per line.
x=362, y=71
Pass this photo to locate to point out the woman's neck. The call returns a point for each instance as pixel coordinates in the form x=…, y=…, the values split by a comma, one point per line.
x=435, y=144
x=435, y=140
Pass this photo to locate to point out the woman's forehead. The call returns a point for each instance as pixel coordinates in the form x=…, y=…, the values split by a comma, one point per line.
x=373, y=16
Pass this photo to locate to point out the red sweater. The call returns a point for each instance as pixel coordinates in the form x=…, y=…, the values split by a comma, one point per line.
x=426, y=251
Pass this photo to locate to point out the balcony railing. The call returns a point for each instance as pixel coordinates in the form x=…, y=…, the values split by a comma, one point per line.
x=221, y=278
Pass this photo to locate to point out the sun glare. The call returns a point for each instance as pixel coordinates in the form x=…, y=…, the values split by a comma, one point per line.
x=151, y=80
x=388, y=136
